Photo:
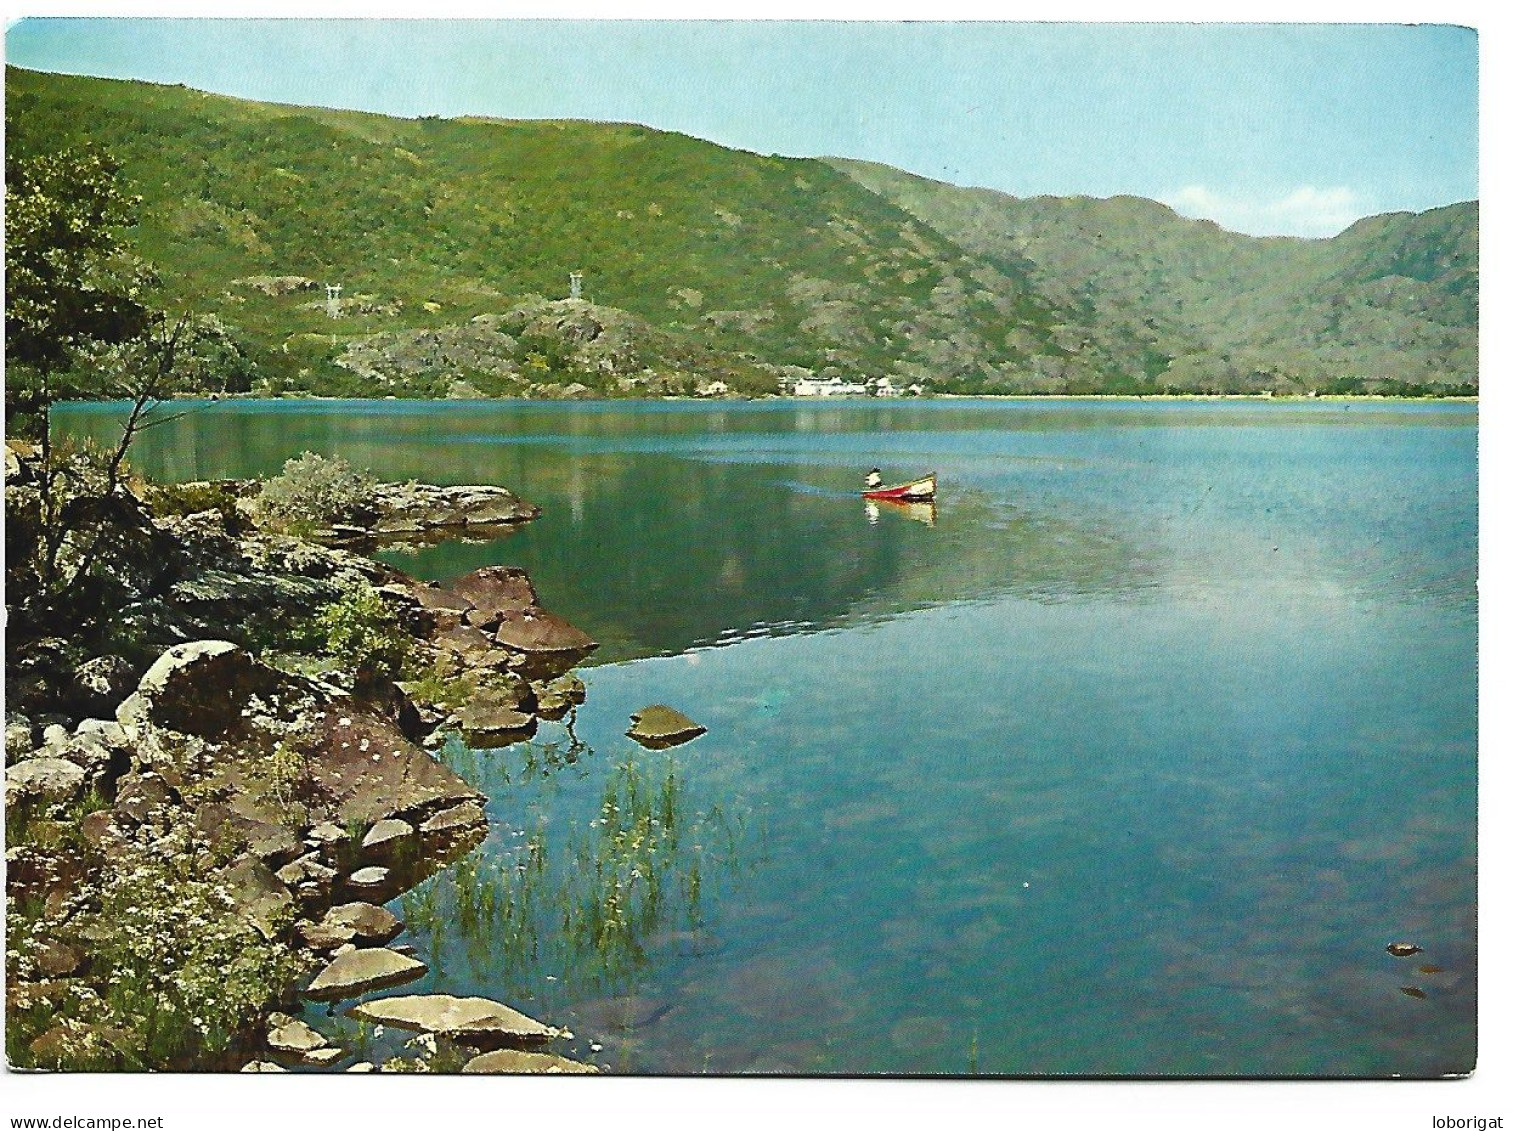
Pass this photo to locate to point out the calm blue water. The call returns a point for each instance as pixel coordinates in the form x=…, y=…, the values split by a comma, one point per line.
x=1131, y=759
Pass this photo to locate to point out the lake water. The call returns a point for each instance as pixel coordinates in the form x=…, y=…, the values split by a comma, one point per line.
x=1130, y=758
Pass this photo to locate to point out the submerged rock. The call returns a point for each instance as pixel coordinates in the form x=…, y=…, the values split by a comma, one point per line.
x=468, y=1020
x=468, y=815
x=554, y=698
x=517, y=1061
x=659, y=726
x=359, y=971
x=622, y=1014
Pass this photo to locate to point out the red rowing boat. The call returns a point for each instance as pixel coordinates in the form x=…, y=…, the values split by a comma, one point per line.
x=916, y=491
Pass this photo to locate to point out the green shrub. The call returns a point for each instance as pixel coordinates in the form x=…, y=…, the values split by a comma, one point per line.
x=363, y=634
x=313, y=491
x=178, y=499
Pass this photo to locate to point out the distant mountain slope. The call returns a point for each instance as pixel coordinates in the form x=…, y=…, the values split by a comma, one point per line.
x=453, y=241
x=1391, y=299
x=747, y=261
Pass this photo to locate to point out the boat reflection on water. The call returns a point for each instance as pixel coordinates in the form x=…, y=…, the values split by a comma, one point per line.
x=920, y=512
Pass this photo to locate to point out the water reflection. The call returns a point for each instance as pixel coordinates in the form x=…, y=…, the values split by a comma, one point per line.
x=667, y=530
x=919, y=512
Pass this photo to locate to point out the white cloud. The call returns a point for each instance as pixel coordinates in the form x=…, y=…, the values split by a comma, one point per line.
x=1305, y=211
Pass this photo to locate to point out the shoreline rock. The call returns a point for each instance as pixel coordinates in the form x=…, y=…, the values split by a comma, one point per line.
x=477, y=1021
x=363, y=971
x=310, y=781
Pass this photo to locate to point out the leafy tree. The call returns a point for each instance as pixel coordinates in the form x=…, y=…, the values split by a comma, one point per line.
x=77, y=323
x=70, y=281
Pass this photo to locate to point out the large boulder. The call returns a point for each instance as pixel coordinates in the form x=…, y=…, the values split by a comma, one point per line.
x=43, y=780
x=369, y=771
x=473, y=1021
x=197, y=688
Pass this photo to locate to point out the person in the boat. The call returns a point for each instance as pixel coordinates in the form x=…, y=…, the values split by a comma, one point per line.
x=874, y=479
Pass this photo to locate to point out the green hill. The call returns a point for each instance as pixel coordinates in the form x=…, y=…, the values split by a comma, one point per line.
x=453, y=241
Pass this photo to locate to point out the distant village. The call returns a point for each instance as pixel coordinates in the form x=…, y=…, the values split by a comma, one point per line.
x=826, y=387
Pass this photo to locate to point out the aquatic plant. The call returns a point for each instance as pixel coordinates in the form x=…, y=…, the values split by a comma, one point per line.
x=589, y=899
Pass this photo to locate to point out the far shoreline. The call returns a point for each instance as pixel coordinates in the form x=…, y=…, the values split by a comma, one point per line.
x=319, y=398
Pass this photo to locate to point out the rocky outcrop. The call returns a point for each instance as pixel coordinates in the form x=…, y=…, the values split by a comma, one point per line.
x=284, y=792
x=414, y=508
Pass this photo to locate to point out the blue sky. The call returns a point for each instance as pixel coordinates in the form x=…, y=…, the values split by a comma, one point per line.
x=1268, y=129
